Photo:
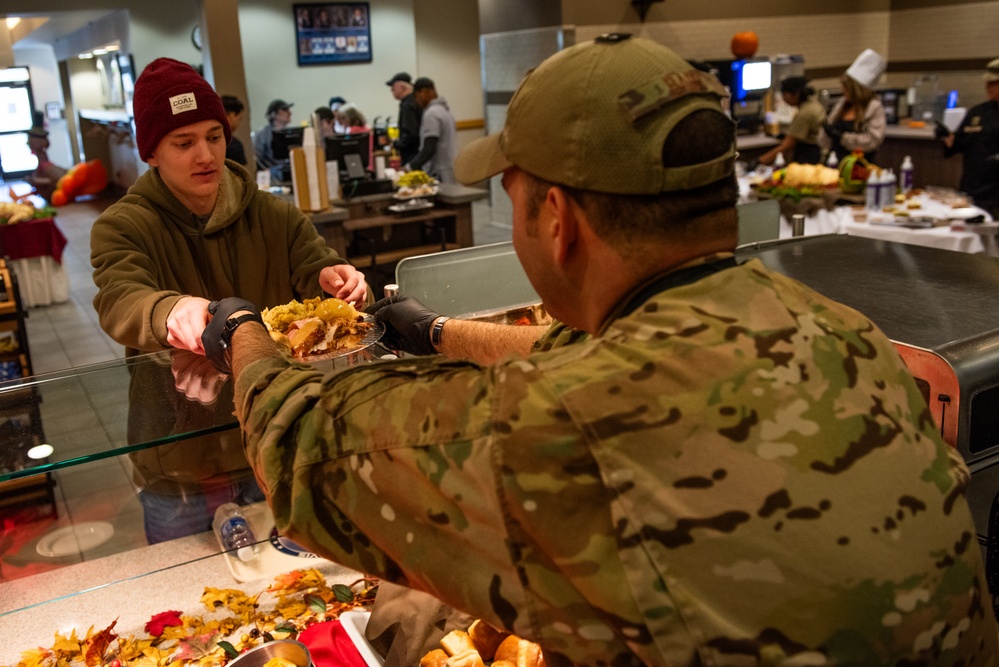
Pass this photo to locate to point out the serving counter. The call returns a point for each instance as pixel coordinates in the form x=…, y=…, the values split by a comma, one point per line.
x=165, y=418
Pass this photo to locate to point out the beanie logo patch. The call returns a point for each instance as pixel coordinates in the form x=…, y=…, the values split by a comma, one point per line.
x=182, y=103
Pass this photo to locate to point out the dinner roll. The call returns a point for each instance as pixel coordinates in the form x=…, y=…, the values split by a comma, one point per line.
x=457, y=642
x=467, y=659
x=519, y=651
x=436, y=658
x=486, y=638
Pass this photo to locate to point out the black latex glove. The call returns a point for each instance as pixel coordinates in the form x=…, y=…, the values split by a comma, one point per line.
x=752, y=164
x=211, y=338
x=407, y=323
x=941, y=131
x=832, y=132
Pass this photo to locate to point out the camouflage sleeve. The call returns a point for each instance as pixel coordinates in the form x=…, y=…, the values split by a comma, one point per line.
x=320, y=449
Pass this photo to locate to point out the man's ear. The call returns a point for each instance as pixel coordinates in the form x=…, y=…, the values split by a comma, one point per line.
x=563, y=223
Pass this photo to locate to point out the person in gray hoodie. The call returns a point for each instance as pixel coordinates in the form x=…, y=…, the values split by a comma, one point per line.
x=438, y=140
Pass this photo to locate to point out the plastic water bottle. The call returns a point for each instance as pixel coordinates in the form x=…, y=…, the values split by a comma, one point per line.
x=873, y=191
x=887, y=193
x=906, y=175
x=233, y=530
x=832, y=161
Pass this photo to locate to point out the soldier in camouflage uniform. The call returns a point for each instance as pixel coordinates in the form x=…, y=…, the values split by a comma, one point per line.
x=730, y=470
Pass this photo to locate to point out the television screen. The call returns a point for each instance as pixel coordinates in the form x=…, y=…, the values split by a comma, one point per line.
x=750, y=78
x=331, y=33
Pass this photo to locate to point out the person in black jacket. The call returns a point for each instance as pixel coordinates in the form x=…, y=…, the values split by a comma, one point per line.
x=234, y=112
x=977, y=138
x=410, y=115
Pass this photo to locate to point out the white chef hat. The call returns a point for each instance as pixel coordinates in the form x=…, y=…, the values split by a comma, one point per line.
x=867, y=68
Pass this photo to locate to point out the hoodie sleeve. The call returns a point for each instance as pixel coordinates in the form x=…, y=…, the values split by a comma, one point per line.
x=130, y=305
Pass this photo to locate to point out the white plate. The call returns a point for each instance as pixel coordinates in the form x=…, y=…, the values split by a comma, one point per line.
x=76, y=539
x=963, y=213
x=354, y=622
x=411, y=205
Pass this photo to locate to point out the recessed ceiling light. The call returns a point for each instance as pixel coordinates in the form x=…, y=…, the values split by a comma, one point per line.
x=100, y=52
x=40, y=451
x=112, y=47
x=85, y=56
x=12, y=21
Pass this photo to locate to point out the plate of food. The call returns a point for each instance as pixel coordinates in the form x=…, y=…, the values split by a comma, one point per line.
x=417, y=191
x=416, y=183
x=317, y=329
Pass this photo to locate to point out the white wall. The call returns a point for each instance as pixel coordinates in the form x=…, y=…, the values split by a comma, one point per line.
x=272, y=71
x=436, y=38
x=45, y=86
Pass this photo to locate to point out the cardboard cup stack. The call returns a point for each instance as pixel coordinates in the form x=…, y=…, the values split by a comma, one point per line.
x=308, y=174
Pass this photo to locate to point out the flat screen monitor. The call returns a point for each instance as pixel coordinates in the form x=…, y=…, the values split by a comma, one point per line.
x=352, y=152
x=283, y=140
x=751, y=78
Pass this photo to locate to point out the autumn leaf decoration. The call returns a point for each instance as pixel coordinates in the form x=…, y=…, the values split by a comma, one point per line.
x=98, y=644
x=158, y=623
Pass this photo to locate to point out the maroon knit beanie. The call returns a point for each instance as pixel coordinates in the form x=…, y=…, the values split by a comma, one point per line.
x=169, y=95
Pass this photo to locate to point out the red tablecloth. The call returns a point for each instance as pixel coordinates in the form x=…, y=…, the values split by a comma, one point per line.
x=35, y=238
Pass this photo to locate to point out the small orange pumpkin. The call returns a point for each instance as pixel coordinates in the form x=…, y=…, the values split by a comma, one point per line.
x=745, y=44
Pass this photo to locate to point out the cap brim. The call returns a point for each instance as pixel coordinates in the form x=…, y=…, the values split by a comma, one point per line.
x=481, y=159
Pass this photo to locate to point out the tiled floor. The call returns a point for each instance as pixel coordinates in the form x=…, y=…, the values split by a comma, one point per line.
x=68, y=335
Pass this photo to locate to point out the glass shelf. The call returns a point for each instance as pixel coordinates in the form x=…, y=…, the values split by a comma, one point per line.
x=106, y=410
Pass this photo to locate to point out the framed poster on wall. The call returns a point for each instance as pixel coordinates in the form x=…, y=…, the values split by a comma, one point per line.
x=331, y=33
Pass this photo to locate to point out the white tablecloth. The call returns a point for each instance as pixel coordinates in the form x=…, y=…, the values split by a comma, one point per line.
x=42, y=280
x=958, y=236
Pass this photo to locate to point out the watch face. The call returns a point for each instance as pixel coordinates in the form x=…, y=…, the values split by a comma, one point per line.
x=196, y=37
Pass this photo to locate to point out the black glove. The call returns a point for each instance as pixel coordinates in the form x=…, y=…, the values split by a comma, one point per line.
x=832, y=132
x=407, y=323
x=941, y=131
x=217, y=335
x=751, y=165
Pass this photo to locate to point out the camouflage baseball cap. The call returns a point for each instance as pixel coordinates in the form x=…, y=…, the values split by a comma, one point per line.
x=595, y=116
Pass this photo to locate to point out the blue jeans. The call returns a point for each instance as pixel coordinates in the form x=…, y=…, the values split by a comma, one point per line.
x=168, y=517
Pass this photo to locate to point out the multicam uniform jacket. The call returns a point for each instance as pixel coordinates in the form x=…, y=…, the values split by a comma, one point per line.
x=738, y=471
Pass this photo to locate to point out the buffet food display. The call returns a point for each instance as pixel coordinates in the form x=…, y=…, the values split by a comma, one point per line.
x=233, y=623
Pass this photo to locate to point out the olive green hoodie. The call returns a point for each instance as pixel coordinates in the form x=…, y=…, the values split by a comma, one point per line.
x=148, y=250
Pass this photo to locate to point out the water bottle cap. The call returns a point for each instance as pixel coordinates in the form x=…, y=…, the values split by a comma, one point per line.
x=245, y=553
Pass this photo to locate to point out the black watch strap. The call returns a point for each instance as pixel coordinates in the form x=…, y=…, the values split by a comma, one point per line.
x=233, y=323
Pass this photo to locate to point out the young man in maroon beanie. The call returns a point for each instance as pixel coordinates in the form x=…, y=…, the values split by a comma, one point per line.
x=195, y=227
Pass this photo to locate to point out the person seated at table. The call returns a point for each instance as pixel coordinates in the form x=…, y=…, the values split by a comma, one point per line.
x=350, y=118
x=800, y=144
x=44, y=178
x=184, y=232
x=858, y=120
x=327, y=122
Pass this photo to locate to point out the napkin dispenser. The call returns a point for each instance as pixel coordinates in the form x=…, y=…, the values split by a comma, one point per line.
x=308, y=174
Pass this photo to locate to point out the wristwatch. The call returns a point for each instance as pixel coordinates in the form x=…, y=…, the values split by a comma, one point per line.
x=436, y=330
x=232, y=324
